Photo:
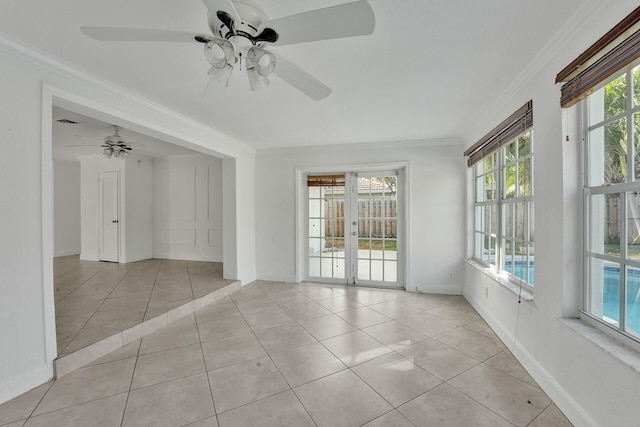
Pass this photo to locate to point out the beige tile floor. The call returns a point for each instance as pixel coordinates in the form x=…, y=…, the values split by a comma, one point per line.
x=94, y=300
x=277, y=354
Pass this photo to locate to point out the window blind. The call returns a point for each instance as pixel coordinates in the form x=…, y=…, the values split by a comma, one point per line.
x=337, y=180
x=513, y=126
x=612, y=52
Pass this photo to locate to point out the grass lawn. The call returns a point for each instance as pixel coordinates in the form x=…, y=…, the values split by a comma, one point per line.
x=633, y=251
x=377, y=244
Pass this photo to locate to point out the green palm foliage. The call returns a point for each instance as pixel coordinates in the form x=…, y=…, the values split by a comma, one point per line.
x=517, y=178
x=616, y=143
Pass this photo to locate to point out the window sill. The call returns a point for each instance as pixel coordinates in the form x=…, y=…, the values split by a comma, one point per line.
x=522, y=291
x=626, y=355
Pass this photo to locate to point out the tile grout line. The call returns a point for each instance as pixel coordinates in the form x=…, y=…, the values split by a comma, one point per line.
x=155, y=280
x=133, y=373
x=351, y=368
x=272, y=361
x=347, y=368
x=479, y=403
x=39, y=401
x=193, y=295
x=541, y=412
x=396, y=410
x=206, y=371
x=95, y=311
x=61, y=351
x=76, y=288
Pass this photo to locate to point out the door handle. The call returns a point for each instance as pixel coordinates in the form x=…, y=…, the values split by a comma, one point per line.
x=353, y=233
x=115, y=221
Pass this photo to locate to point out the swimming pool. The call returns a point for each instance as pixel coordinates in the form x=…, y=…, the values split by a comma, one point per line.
x=611, y=291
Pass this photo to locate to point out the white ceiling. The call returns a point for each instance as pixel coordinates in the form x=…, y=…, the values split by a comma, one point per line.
x=85, y=137
x=419, y=76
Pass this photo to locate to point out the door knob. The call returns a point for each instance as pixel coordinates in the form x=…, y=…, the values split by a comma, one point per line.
x=353, y=233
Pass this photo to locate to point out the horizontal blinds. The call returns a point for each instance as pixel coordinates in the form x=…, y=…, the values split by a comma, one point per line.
x=612, y=52
x=516, y=124
x=337, y=180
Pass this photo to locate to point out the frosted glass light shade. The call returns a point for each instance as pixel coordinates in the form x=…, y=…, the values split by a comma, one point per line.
x=256, y=81
x=263, y=61
x=219, y=53
x=221, y=75
x=108, y=152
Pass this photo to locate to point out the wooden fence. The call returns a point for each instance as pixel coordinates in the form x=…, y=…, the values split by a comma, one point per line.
x=376, y=218
x=612, y=216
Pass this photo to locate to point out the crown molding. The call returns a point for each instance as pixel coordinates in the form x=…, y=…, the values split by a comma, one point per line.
x=555, y=44
x=18, y=49
x=377, y=145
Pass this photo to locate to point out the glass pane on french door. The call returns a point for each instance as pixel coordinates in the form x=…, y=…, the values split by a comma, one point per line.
x=377, y=234
x=326, y=232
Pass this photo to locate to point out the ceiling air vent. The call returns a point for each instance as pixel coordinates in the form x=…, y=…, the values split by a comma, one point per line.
x=67, y=122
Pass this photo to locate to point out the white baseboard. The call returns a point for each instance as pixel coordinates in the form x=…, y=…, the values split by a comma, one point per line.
x=276, y=277
x=66, y=253
x=14, y=387
x=571, y=409
x=186, y=256
x=451, y=289
x=89, y=257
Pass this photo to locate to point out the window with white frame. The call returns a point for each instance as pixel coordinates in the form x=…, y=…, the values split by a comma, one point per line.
x=611, y=115
x=504, y=231
x=605, y=82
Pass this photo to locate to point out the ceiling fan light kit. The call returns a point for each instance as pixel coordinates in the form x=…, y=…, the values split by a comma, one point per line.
x=241, y=31
x=119, y=153
x=114, y=145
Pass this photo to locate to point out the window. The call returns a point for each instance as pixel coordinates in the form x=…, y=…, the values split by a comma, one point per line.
x=612, y=201
x=502, y=164
x=605, y=79
x=503, y=207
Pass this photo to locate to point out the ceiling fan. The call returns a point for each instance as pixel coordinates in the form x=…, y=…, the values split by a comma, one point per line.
x=241, y=31
x=114, y=145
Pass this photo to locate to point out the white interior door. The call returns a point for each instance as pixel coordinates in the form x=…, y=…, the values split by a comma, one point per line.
x=353, y=229
x=109, y=221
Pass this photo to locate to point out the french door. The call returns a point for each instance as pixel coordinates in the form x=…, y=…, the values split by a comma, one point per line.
x=353, y=229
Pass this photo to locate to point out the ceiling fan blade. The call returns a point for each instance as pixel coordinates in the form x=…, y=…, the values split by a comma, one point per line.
x=136, y=34
x=83, y=145
x=227, y=20
x=217, y=5
x=346, y=20
x=267, y=35
x=300, y=79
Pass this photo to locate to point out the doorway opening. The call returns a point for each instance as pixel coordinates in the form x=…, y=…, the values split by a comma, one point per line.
x=157, y=262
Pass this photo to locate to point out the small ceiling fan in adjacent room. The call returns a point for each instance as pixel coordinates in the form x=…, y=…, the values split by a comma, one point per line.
x=241, y=32
x=114, y=145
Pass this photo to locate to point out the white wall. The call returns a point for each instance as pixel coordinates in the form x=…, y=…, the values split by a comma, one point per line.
x=30, y=84
x=138, y=208
x=589, y=384
x=187, y=208
x=66, y=207
x=436, y=207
